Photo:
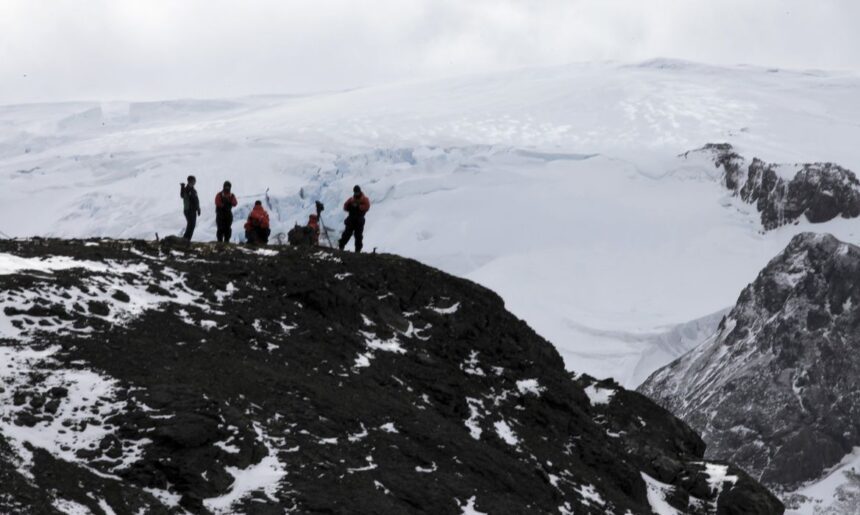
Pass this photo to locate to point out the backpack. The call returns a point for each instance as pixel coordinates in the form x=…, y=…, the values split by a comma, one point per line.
x=300, y=235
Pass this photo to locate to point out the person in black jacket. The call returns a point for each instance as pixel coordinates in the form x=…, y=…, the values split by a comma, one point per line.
x=225, y=201
x=190, y=205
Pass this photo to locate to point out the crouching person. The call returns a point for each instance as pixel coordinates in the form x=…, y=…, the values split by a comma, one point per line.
x=305, y=235
x=257, y=226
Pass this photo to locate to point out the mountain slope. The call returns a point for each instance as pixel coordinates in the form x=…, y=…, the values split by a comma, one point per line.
x=776, y=389
x=559, y=188
x=212, y=379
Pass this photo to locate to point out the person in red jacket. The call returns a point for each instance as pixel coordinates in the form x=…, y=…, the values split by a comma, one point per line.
x=225, y=201
x=257, y=227
x=356, y=206
x=314, y=225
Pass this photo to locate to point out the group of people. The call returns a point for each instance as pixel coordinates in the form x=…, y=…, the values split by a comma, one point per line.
x=257, y=229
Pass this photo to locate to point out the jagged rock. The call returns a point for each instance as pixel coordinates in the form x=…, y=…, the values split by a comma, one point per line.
x=121, y=296
x=175, y=242
x=776, y=390
x=818, y=191
x=98, y=308
x=265, y=381
x=58, y=392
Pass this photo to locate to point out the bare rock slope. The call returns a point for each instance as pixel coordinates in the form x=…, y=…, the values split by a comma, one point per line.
x=139, y=378
x=777, y=389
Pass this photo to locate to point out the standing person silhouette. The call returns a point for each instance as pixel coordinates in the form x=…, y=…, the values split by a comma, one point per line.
x=225, y=201
x=190, y=205
x=356, y=207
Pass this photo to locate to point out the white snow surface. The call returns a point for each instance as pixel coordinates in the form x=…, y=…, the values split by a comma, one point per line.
x=504, y=431
x=657, y=493
x=132, y=279
x=591, y=495
x=718, y=476
x=560, y=188
x=597, y=395
x=11, y=264
x=89, y=394
x=469, y=507
x=71, y=507
x=529, y=386
x=836, y=493
x=264, y=476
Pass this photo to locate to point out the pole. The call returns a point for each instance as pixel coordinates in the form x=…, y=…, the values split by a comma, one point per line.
x=320, y=208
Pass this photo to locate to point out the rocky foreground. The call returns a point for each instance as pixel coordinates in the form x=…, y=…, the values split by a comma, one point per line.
x=146, y=378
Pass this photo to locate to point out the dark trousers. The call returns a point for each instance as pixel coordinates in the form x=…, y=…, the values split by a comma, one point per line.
x=225, y=228
x=354, y=227
x=190, y=224
x=258, y=236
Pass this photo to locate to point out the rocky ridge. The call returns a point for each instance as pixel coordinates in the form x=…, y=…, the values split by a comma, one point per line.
x=145, y=378
x=817, y=191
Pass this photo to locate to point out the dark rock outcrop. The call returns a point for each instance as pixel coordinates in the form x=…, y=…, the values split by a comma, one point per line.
x=818, y=191
x=777, y=390
x=231, y=380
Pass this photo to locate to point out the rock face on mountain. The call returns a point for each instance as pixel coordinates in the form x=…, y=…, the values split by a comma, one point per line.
x=818, y=191
x=777, y=390
x=139, y=378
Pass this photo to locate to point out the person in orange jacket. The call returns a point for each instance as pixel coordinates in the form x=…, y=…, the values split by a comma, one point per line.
x=225, y=201
x=257, y=227
x=356, y=206
x=314, y=224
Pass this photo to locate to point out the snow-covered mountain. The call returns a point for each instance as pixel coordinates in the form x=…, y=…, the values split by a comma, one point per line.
x=777, y=389
x=149, y=378
x=560, y=188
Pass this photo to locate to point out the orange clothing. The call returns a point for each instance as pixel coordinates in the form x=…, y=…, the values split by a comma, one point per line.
x=258, y=218
x=362, y=205
x=219, y=201
x=313, y=223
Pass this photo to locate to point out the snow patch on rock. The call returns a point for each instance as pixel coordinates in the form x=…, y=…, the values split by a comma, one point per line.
x=657, y=494
x=598, y=395
x=529, y=387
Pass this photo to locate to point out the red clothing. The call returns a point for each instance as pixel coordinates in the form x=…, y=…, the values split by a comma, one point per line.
x=219, y=200
x=258, y=218
x=313, y=223
x=362, y=205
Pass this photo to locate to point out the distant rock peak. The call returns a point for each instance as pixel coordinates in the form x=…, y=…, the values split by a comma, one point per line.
x=818, y=191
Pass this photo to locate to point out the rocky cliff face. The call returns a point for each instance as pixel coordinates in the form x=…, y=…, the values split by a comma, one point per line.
x=154, y=379
x=818, y=191
x=777, y=390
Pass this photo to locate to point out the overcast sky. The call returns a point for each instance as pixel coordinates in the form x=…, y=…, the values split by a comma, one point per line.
x=150, y=49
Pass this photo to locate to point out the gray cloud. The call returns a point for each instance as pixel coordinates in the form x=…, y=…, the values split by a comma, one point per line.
x=130, y=49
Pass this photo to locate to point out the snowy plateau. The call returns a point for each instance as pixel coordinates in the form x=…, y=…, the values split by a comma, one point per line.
x=570, y=191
